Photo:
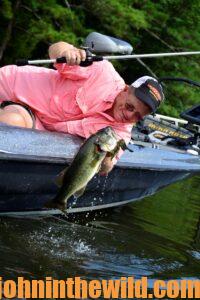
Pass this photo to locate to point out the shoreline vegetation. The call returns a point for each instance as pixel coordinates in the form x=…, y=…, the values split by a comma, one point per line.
x=28, y=28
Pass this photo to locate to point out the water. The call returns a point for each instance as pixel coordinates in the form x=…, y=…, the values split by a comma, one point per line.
x=158, y=237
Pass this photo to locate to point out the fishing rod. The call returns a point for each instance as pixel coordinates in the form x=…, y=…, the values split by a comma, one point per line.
x=99, y=43
x=90, y=58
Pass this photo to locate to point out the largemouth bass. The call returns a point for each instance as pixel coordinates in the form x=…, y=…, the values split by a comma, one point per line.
x=85, y=165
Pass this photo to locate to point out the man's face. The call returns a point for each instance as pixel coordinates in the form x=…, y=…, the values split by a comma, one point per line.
x=127, y=108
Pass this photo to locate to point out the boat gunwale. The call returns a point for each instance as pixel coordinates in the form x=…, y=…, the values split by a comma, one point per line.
x=65, y=161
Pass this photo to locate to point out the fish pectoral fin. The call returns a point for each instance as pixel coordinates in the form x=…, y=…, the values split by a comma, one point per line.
x=114, y=152
x=120, y=144
x=60, y=177
x=80, y=192
x=123, y=146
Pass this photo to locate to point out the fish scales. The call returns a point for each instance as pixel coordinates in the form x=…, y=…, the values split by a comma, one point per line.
x=85, y=165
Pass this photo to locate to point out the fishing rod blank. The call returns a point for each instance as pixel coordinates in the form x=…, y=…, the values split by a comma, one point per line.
x=91, y=58
x=150, y=55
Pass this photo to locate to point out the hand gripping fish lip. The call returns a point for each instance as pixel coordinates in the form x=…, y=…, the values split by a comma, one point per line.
x=98, y=148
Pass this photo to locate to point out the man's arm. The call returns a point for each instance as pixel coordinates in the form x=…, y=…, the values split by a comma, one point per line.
x=73, y=55
x=72, y=69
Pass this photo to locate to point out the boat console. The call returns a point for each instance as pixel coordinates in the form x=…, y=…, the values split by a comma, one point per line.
x=180, y=134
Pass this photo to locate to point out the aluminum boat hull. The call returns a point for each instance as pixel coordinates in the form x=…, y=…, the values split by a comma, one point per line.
x=30, y=160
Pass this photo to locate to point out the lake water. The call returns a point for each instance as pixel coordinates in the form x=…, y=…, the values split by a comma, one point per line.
x=158, y=237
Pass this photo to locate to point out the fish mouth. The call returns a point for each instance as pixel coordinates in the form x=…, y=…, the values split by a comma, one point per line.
x=109, y=146
x=104, y=148
x=100, y=148
x=107, y=140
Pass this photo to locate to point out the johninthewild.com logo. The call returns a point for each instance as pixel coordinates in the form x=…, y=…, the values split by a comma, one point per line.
x=73, y=288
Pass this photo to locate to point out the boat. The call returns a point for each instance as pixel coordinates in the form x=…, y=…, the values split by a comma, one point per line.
x=165, y=150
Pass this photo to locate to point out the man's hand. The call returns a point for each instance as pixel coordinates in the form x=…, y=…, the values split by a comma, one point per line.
x=73, y=55
x=106, y=166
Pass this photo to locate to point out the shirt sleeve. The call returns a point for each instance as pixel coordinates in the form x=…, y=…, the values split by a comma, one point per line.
x=74, y=72
x=71, y=127
x=30, y=85
x=7, y=82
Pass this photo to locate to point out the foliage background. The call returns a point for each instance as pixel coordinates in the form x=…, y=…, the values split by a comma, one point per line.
x=27, y=28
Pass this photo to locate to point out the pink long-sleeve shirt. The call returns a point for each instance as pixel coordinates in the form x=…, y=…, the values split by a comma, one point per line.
x=71, y=99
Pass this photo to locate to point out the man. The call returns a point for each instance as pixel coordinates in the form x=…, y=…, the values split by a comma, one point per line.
x=73, y=99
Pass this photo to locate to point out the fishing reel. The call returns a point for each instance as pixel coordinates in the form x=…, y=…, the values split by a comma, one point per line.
x=90, y=58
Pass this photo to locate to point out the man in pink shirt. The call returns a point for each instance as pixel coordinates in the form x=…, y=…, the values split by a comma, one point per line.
x=73, y=99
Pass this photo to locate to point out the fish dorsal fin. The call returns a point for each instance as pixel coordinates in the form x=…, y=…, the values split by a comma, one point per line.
x=80, y=192
x=60, y=177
